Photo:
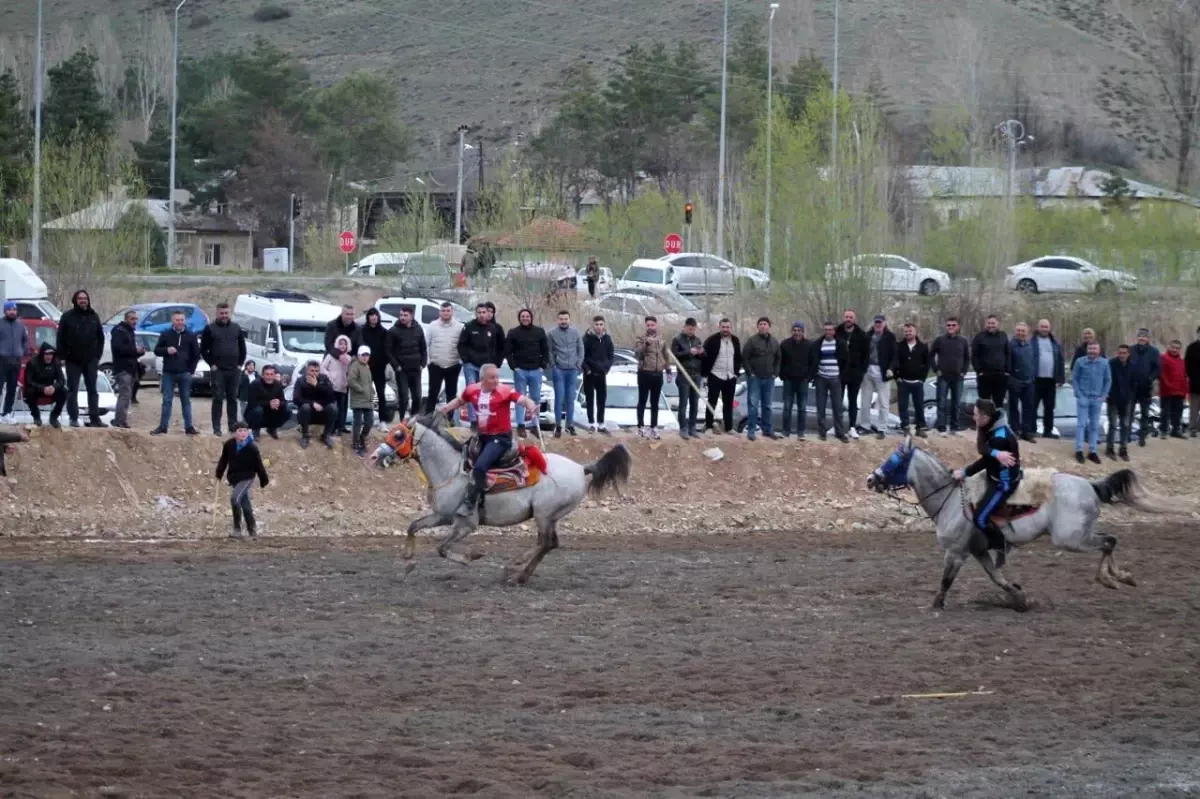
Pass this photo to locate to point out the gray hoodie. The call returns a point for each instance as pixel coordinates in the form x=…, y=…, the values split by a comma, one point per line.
x=566, y=348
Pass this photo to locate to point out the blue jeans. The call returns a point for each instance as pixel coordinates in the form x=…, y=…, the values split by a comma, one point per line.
x=493, y=447
x=1021, y=416
x=949, y=397
x=566, y=384
x=171, y=380
x=758, y=404
x=470, y=375
x=527, y=382
x=795, y=392
x=1087, y=418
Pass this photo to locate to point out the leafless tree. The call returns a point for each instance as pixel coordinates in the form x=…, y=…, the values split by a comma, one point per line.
x=965, y=69
x=17, y=55
x=151, y=66
x=110, y=65
x=1170, y=33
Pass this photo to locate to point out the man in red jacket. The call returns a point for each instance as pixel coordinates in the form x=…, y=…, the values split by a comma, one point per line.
x=1172, y=388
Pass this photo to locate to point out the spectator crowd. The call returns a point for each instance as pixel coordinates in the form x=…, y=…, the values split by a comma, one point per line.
x=852, y=371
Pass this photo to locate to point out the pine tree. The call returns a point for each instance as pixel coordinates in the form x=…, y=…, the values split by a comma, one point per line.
x=154, y=162
x=16, y=141
x=74, y=103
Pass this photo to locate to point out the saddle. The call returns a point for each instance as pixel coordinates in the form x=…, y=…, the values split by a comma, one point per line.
x=522, y=466
x=1035, y=489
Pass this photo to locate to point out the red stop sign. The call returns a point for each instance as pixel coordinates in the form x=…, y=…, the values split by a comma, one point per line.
x=673, y=244
x=347, y=241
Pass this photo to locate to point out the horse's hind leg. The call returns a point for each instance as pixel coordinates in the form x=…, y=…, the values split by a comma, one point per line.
x=1018, y=596
x=547, y=540
x=1119, y=574
x=953, y=562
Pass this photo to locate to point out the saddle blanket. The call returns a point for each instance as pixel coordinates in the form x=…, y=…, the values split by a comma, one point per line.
x=524, y=472
x=1035, y=489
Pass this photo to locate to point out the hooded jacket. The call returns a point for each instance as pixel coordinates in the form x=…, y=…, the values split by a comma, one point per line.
x=333, y=368
x=80, y=334
x=598, y=353
x=527, y=347
x=406, y=347
x=39, y=375
x=223, y=346
x=187, y=351
x=858, y=349
x=14, y=339
x=376, y=337
x=360, y=385
x=335, y=328
x=481, y=343
x=794, y=360
x=1173, y=381
x=124, y=349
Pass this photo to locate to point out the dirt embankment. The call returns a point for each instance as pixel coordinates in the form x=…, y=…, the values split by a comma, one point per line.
x=116, y=484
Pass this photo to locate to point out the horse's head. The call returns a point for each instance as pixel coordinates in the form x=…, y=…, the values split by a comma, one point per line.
x=399, y=443
x=893, y=472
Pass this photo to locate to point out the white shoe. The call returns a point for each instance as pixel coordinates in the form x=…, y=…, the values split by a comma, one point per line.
x=853, y=433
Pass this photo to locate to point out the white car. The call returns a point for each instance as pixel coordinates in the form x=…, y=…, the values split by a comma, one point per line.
x=425, y=310
x=1063, y=273
x=106, y=399
x=625, y=309
x=605, y=284
x=648, y=273
x=700, y=273
x=380, y=264
x=891, y=273
x=620, y=407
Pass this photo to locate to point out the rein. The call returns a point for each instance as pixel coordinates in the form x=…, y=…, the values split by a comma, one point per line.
x=894, y=493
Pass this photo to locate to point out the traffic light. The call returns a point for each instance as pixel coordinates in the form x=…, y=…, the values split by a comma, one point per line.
x=297, y=205
x=687, y=214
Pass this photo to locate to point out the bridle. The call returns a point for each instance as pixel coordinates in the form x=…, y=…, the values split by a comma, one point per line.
x=894, y=494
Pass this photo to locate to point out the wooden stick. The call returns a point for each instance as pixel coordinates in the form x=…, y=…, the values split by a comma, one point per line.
x=216, y=492
x=949, y=695
x=696, y=388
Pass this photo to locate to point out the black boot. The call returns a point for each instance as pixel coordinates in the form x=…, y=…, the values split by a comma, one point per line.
x=237, y=523
x=995, y=537
x=470, y=500
x=251, y=524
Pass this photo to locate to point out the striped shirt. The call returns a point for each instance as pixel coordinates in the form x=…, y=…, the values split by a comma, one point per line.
x=829, y=364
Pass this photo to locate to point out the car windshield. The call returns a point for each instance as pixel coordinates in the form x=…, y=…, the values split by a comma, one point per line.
x=426, y=265
x=646, y=274
x=303, y=338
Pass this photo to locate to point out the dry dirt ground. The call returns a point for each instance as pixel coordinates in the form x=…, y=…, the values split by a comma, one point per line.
x=739, y=628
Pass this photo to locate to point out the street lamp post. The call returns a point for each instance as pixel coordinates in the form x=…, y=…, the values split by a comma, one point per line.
x=721, y=146
x=770, y=85
x=462, y=145
x=35, y=248
x=174, y=131
x=1014, y=133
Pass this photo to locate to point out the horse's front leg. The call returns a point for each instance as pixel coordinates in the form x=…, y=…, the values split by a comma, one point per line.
x=952, y=563
x=1014, y=591
x=463, y=527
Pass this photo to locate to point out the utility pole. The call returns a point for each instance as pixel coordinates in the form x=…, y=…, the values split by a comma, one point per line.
x=292, y=234
x=1014, y=133
x=35, y=248
x=770, y=84
x=462, y=132
x=174, y=132
x=480, y=189
x=833, y=143
x=721, y=148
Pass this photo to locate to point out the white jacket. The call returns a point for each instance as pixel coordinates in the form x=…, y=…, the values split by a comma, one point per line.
x=441, y=338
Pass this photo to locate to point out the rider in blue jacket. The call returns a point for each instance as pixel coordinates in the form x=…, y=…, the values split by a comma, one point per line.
x=1000, y=456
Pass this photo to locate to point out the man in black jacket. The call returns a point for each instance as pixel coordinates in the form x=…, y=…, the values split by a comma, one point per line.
x=45, y=385
x=316, y=403
x=375, y=336
x=950, y=356
x=688, y=350
x=125, y=354
x=1191, y=364
x=266, y=405
x=877, y=385
x=223, y=348
x=912, y=370
x=858, y=354
x=480, y=343
x=408, y=355
x=720, y=366
x=528, y=351
x=80, y=344
x=989, y=359
x=598, y=353
x=244, y=462
x=795, y=372
x=343, y=325
x=827, y=360
x=180, y=353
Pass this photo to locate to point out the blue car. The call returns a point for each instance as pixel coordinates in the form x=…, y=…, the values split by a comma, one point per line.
x=155, y=317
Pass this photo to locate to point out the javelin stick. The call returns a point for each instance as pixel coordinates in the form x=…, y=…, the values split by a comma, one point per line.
x=216, y=492
x=695, y=388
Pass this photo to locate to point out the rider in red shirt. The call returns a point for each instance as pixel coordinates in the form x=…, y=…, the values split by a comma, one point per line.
x=492, y=402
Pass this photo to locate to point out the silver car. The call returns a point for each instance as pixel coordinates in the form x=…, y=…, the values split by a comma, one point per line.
x=149, y=362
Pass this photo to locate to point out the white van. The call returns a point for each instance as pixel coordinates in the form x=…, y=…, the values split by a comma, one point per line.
x=20, y=284
x=284, y=328
x=380, y=264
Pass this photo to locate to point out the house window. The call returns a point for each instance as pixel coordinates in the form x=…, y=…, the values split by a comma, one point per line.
x=220, y=209
x=212, y=255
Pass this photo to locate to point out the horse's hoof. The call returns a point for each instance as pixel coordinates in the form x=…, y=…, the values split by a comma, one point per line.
x=407, y=570
x=1020, y=605
x=458, y=557
x=1124, y=577
x=939, y=604
x=1106, y=581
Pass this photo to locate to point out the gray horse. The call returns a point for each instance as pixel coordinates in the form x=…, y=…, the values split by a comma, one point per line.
x=427, y=440
x=1069, y=517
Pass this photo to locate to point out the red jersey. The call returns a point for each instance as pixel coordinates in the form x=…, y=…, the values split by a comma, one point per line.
x=493, y=408
x=1172, y=382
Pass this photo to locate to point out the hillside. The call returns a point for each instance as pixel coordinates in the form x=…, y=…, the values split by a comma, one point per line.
x=494, y=64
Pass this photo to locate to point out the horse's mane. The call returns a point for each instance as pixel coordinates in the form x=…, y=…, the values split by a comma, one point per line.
x=437, y=423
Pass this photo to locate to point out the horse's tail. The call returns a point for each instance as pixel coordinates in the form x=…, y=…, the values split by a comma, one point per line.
x=1123, y=488
x=613, y=468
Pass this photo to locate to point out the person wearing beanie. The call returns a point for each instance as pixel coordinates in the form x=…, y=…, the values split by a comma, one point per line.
x=795, y=372
x=360, y=385
x=14, y=341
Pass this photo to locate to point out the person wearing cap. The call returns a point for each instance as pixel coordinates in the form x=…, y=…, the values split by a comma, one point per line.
x=361, y=386
x=760, y=356
x=14, y=342
x=1145, y=370
x=881, y=369
x=795, y=372
x=688, y=349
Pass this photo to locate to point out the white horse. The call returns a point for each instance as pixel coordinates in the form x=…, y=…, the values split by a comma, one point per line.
x=1069, y=517
x=427, y=440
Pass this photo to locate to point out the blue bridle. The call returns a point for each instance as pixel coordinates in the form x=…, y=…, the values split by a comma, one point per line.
x=893, y=473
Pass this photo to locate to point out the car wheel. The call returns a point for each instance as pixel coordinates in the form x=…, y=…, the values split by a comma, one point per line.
x=107, y=370
x=930, y=288
x=930, y=411
x=741, y=426
x=1027, y=286
x=1106, y=288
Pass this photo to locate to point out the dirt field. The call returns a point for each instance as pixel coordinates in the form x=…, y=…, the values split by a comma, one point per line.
x=744, y=628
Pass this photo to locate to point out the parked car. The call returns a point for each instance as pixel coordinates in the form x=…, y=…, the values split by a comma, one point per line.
x=700, y=274
x=426, y=310
x=22, y=286
x=150, y=362
x=891, y=273
x=1062, y=273
x=423, y=274
x=605, y=284
x=621, y=310
x=741, y=410
x=107, y=399
x=380, y=264
x=620, y=408
x=649, y=273
x=676, y=302
x=155, y=317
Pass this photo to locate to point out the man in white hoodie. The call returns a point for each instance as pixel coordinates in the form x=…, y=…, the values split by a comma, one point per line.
x=441, y=338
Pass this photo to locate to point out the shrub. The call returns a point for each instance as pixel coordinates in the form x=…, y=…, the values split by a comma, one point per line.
x=271, y=13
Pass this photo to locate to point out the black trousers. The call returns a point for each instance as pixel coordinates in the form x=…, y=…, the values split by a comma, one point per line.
x=1170, y=415
x=592, y=287
x=1145, y=426
x=59, y=398
x=439, y=377
x=852, y=385
x=307, y=416
x=1045, y=390
x=649, y=385
x=88, y=372
x=224, y=392
x=595, y=395
x=721, y=390
x=993, y=387
x=408, y=392
x=379, y=380
x=10, y=372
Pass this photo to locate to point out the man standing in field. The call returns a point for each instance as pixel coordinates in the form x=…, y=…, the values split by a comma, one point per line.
x=223, y=348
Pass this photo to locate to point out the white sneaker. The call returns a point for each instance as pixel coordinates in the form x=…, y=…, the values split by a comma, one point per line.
x=853, y=433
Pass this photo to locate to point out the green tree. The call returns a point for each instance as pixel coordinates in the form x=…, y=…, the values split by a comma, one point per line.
x=16, y=141
x=153, y=160
x=358, y=128
x=571, y=150
x=806, y=78
x=74, y=102
x=145, y=243
x=747, y=96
